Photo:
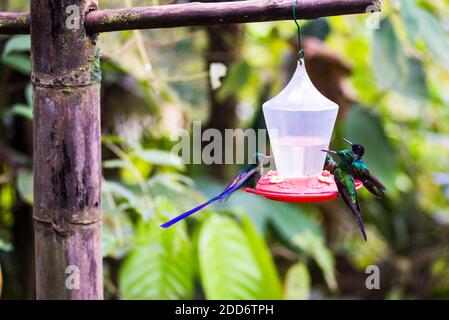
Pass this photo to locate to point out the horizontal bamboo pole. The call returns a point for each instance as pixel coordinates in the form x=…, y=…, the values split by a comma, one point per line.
x=197, y=13
x=14, y=23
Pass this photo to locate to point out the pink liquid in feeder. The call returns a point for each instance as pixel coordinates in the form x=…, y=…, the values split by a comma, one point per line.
x=299, y=156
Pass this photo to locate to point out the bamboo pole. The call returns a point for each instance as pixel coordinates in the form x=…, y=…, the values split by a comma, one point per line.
x=197, y=13
x=67, y=153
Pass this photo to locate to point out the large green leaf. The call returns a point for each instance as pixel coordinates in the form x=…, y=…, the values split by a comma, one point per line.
x=229, y=269
x=304, y=234
x=161, y=266
x=388, y=60
x=297, y=282
x=393, y=70
x=264, y=259
x=365, y=127
x=408, y=14
x=421, y=24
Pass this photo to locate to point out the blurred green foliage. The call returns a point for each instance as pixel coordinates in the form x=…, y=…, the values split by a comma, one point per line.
x=249, y=247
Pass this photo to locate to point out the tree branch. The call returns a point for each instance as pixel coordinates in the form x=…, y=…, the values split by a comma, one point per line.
x=197, y=13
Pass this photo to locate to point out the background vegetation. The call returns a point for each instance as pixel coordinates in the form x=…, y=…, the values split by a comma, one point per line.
x=391, y=85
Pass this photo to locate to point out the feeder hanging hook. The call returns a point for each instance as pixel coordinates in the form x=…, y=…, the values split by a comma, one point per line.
x=301, y=50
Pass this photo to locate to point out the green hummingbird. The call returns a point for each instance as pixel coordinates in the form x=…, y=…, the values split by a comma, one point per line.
x=360, y=171
x=346, y=184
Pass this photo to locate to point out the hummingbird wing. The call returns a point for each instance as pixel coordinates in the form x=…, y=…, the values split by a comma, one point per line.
x=346, y=188
x=227, y=192
x=372, y=184
x=242, y=174
x=238, y=177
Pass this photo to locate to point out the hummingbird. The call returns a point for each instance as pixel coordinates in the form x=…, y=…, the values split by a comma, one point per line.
x=346, y=184
x=247, y=177
x=360, y=171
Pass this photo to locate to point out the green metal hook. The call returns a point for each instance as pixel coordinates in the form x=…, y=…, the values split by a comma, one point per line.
x=301, y=50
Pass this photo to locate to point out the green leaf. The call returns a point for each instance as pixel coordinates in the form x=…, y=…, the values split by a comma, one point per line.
x=18, y=63
x=118, y=232
x=414, y=85
x=22, y=110
x=19, y=43
x=5, y=246
x=264, y=259
x=228, y=267
x=29, y=94
x=420, y=23
x=161, y=266
x=393, y=70
x=238, y=76
x=159, y=157
x=297, y=282
x=172, y=181
x=304, y=234
x=389, y=61
x=119, y=190
x=116, y=164
x=25, y=185
x=408, y=14
x=365, y=127
x=434, y=36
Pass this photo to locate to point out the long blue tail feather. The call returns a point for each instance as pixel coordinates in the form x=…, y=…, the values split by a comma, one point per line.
x=201, y=206
x=233, y=186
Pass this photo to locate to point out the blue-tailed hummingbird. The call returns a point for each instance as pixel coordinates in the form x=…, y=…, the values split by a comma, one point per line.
x=248, y=177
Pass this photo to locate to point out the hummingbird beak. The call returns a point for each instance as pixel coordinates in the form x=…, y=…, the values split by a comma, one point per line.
x=329, y=151
x=347, y=141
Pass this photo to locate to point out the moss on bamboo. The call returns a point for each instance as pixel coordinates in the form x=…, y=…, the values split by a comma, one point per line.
x=95, y=67
x=67, y=90
x=11, y=23
x=22, y=20
x=128, y=17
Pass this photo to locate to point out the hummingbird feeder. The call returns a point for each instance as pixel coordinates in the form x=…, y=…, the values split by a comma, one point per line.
x=300, y=121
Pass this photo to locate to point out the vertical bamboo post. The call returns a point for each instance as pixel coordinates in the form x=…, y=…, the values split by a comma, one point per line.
x=67, y=155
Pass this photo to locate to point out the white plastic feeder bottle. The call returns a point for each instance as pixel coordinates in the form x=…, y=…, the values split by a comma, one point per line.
x=300, y=121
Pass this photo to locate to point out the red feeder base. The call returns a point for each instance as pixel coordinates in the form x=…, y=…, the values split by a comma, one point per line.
x=312, y=189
